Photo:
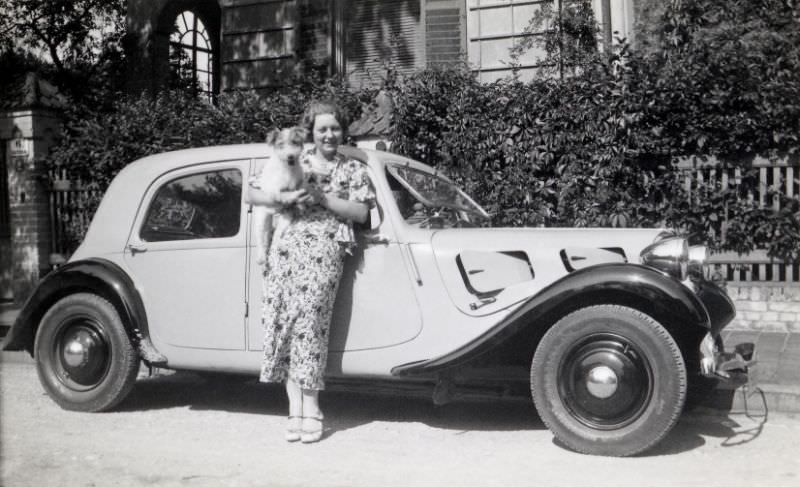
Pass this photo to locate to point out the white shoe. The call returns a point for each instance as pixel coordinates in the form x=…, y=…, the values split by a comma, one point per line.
x=312, y=429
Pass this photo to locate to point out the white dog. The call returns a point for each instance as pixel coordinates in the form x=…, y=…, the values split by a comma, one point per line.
x=281, y=172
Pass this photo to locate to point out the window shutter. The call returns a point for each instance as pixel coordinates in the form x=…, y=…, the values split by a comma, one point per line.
x=258, y=43
x=382, y=33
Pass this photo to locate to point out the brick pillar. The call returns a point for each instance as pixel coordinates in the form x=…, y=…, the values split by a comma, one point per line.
x=27, y=135
x=6, y=263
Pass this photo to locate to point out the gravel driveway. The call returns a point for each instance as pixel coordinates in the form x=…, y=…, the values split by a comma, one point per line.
x=182, y=430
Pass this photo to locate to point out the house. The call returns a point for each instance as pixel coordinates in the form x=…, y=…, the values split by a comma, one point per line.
x=258, y=44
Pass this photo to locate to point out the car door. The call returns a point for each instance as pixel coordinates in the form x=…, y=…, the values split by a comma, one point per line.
x=376, y=306
x=187, y=255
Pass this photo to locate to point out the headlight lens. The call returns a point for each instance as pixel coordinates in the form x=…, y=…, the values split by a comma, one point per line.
x=698, y=254
x=670, y=255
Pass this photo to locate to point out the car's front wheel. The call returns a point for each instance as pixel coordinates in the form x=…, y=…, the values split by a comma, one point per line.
x=84, y=357
x=608, y=380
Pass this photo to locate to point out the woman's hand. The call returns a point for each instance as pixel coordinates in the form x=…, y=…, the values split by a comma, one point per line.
x=315, y=195
x=300, y=196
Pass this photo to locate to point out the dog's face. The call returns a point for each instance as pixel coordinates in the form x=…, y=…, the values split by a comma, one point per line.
x=287, y=144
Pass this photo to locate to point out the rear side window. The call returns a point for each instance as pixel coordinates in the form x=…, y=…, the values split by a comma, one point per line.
x=203, y=205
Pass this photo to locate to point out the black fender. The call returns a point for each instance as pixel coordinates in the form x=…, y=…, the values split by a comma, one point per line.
x=94, y=275
x=719, y=305
x=646, y=289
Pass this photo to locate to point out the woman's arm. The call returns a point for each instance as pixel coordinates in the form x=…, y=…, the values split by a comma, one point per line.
x=349, y=210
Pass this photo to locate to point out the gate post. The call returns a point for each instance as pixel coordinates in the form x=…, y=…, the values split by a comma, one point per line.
x=25, y=137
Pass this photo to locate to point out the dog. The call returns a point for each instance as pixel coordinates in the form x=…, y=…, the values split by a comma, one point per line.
x=281, y=172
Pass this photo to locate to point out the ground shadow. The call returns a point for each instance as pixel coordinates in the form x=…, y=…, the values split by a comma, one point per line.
x=204, y=392
x=343, y=409
x=350, y=409
x=719, y=423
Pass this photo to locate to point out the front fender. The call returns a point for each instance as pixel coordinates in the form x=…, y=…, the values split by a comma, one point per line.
x=637, y=286
x=94, y=275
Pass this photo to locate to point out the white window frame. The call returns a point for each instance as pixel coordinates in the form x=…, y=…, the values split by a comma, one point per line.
x=611, y=15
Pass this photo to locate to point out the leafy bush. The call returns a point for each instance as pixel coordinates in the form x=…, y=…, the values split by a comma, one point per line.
x=717, y=78
x=550, y=152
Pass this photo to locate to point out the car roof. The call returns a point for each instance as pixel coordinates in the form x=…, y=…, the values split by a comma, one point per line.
x=150, y=167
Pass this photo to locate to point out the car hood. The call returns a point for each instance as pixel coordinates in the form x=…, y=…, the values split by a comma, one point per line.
x=489, y=270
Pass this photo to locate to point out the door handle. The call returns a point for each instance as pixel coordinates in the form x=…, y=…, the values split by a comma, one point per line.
x=376, y=239
x=136, y=248
x=481, y=303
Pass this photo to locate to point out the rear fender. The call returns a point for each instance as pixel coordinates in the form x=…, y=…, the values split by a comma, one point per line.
x=643, y=288
x=98, y=276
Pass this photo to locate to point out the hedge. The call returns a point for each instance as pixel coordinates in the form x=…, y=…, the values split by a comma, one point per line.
x=719, y=78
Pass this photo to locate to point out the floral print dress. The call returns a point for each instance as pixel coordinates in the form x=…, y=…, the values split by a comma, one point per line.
x=302, y=275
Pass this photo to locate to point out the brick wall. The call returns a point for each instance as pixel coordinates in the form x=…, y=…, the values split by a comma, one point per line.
x=766, y=307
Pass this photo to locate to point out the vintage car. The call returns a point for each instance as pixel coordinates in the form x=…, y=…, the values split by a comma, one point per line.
x=607, y=329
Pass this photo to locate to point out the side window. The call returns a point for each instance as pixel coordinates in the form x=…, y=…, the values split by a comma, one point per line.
x=203, y=205
x=405, y=201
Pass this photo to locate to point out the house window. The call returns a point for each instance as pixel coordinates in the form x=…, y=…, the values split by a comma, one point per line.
x=191, y=55
x=495, y=26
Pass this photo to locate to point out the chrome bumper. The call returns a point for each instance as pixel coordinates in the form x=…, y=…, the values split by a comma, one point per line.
x=732, y=367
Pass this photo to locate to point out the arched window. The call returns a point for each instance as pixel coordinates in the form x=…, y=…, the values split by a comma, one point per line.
x=191, y=54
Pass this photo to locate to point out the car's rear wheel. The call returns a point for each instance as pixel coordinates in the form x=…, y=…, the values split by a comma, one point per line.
x=84, y=358
x=608, y=380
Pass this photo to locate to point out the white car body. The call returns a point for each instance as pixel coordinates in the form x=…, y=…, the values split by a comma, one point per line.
x=402, y=298
x=608, y=326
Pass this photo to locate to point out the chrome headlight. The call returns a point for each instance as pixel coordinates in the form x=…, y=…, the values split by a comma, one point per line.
x=670, y=255
x=698, y=255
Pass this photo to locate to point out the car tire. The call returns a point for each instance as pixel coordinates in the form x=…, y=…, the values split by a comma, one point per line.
x=608, y=380
x=84, y=358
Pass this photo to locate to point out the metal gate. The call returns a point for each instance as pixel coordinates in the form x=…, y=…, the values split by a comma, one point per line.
x=71, y=204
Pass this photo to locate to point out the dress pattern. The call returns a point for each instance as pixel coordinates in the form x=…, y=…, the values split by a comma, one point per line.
x=302, y=275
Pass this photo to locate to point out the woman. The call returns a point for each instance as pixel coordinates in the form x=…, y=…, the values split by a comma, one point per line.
x=304, y=267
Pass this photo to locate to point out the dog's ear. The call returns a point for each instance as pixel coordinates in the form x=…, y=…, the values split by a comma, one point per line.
x=272, y=136
x=298, y=135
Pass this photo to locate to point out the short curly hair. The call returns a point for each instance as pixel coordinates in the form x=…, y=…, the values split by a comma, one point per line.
x=322, y=107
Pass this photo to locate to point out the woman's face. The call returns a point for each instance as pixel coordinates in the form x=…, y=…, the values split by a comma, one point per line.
x=327, y=134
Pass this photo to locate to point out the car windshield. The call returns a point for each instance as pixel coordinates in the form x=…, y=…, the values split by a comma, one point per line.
x=435, y=198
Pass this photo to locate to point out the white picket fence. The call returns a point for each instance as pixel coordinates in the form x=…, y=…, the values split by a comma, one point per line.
x=773, y=177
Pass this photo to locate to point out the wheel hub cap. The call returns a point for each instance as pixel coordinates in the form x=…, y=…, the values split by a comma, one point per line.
x=604, y=381
x=83, y=355
x=601, y=382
